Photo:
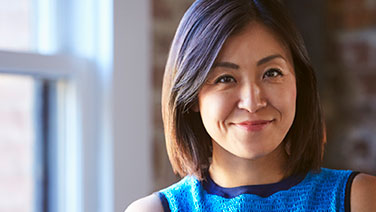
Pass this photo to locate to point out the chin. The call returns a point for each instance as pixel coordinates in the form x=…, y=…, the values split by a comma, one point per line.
x=253, y=155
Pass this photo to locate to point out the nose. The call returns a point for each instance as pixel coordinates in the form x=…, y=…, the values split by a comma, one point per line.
x=251, y=98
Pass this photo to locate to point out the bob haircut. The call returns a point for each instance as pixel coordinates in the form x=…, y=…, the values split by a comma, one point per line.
x=199, y=38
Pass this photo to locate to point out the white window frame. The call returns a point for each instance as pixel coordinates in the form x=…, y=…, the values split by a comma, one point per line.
x=105, y=162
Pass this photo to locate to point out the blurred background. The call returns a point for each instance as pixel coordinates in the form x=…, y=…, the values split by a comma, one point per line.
x=80, y=89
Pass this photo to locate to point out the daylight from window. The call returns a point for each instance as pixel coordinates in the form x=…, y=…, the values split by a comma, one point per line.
x=16, y=21
x=16, y=143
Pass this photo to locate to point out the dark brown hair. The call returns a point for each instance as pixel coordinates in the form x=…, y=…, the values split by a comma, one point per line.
x=201, y=33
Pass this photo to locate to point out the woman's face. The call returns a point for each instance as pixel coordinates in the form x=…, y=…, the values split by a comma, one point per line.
x=247, y=104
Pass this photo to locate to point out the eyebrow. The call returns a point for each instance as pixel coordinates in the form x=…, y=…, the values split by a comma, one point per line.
x=235, y=66
x=226, y=65
x=269, y=58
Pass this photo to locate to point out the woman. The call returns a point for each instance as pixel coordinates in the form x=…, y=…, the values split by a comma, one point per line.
x=242, y=118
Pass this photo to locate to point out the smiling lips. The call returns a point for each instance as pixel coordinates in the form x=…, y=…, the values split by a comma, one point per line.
x=257, y=125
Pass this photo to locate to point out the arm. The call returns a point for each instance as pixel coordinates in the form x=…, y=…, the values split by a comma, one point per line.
x=363, y=193
x=150, y=203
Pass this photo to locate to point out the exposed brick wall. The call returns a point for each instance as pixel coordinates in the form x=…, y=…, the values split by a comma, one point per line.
x=352, y=62
x=352, y=14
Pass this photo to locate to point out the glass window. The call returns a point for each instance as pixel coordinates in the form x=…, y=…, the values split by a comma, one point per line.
x=51, y=73
x=16, y=30
x=26, y=141
x=16, y=143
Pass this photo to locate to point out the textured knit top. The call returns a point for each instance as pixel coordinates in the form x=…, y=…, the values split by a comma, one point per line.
x=326, y=190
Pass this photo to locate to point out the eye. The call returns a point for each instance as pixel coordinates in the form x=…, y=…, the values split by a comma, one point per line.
x=225, y=79
x=272, y=73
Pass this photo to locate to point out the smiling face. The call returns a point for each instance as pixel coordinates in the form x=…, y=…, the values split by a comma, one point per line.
x=248, y=103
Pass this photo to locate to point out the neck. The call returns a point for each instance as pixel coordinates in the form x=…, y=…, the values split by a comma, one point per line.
x=233, y=171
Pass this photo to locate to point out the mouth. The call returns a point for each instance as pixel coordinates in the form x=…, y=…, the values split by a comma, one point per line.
x=254, y=126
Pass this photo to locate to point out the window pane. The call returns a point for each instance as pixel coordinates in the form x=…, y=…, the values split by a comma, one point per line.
x=16, y=143
x=16, y=25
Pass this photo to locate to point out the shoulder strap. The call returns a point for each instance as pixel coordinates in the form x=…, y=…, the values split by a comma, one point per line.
x=348, y=191
x=162, y=197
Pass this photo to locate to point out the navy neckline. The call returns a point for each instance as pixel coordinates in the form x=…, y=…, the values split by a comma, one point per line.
x=263, y=190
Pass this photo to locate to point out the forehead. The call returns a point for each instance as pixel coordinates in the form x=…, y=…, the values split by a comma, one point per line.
x=254, y=41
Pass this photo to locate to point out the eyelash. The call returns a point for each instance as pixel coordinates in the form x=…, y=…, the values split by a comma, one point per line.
x=225, y=79
x=273, y=70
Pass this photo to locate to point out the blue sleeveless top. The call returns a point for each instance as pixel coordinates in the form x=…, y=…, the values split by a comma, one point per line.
x=326, y=190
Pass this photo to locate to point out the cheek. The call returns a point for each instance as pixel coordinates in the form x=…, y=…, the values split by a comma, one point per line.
x=287, y=104
x=283, y=98
x=215, y=107
x=291, y=97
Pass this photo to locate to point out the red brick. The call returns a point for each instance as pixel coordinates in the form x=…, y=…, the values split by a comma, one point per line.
x=369, y=85
x=356, y=53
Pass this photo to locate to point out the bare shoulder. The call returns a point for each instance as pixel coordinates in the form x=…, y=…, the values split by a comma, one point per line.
x=363, y=193
x=146, y=204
